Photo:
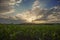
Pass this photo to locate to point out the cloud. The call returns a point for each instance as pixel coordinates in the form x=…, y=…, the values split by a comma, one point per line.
x=7, y=6
x=31, y=15
x=27, y=16
x=53, y=15
x=19, y=1
x=36, y=9
x=36, y=5
x=35, y=15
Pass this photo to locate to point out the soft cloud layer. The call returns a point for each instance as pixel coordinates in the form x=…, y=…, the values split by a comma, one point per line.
x=44, y=15
x=32, y=14
x=7, y=6
x=37, y=14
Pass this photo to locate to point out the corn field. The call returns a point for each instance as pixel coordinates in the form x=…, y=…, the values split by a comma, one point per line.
x=29, y=32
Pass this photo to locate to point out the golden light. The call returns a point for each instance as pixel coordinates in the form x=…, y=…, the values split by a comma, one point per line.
x=37, y=22
x=31, y=19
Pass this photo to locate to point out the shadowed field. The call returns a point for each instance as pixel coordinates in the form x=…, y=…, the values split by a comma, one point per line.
x=29, y=32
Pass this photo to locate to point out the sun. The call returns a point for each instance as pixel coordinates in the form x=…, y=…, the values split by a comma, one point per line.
x=31, y=19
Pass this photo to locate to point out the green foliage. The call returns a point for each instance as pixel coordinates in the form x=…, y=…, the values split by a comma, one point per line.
x=29, y=32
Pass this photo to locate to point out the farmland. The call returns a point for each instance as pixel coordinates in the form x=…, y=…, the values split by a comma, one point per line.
x=29, y=32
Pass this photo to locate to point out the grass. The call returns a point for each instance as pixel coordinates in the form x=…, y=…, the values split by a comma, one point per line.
x=29, y=32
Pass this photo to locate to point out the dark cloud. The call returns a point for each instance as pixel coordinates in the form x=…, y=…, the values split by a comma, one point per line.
x=7, y=5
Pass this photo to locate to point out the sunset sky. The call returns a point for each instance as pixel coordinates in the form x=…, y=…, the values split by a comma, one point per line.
x=29, y=10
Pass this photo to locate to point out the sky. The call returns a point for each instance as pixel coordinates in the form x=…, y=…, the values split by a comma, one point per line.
x=29, y=10
x=22, y=5
x=27, y=4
